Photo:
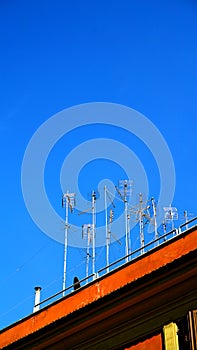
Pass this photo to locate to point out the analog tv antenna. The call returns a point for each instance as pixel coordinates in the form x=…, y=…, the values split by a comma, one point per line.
x=170, y=215
x=124, y=190
x=68, y=201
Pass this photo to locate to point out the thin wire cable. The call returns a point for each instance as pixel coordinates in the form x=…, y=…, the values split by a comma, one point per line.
x=20, y=267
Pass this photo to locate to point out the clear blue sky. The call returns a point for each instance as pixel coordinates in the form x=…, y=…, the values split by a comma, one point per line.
x=57, y=54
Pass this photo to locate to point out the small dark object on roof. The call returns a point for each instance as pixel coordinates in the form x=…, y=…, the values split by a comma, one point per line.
x=76, y=283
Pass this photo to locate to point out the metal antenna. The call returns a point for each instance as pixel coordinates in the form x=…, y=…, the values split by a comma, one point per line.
x=164, y=229
x=141, y=211
x=186, y=218
x=93, y=209
x=68, y=201
x=87, y=232
x=124, y=189
x=93, y=230
x=170, y=214
x=106, y=229
x=155, y=219
x=129, y=230
x=108, y=224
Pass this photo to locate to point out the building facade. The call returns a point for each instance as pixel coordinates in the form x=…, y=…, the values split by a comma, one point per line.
x=148, y=303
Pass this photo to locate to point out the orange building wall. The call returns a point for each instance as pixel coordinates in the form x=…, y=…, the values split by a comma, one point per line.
x=144, y=266
x=154, y=343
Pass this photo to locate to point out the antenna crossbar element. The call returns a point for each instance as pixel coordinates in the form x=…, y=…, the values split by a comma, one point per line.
x=68, y=201
x=87, y=232
x=125, y=187
x=171, y=213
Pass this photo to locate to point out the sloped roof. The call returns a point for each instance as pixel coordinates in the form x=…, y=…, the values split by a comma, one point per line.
x=156, y=287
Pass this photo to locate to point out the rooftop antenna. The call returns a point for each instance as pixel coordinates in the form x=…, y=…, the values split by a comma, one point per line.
x=141, y=211
x=187, y=217
x=93, y=230
x=93, y=209
x=108, y=224
x=87, y=233
x=155, y=219
x=124, y=189
x=68, y=201
x=170, y=214
x=164, y=229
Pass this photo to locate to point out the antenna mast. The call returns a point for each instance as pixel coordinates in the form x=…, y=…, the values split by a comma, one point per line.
x=108, y=224
x=155, y=219
x=125, y=189
x=68, y=201
x=170, y=215
x=141, y=211
x=186, y=218
x=87, y=231
x=93, y=230
x=106, y=230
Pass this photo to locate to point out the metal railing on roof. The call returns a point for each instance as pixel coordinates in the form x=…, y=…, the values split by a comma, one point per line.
x=120, y=262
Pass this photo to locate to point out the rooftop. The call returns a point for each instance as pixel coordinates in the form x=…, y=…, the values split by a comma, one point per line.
x=165, y=271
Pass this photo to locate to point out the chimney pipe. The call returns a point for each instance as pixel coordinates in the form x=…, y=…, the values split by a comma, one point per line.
x=37, y=299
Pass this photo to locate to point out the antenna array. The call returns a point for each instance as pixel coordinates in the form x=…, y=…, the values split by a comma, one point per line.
x=143, y=214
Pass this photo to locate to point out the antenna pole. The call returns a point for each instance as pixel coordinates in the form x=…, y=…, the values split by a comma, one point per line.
x=93, y=230
x=141, y=225
x=88, y=254
x=155, y=219
x=126, y=227
x=172, y=220
x=65, y=245
x=126, y=186
x=164, y=229
x=88, y=251
x=186, y=218
x=87, y=232
x=129, y=236
x=68, y=199
x=106, y=230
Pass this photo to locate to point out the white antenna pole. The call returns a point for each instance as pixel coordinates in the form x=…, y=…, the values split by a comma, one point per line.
x=129, y=236
x=93, y=231
x=106, y=230
x=69, y=198
x=126, y=185
x=186, y=218
x=88, y=253
x=86, y=233
x=164, y=229
x=172, y=219
x=126, y=227
x=65, y=245
x=155, y=219
x=141, y=225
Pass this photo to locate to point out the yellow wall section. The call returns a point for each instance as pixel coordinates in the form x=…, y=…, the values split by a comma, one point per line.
x=171, y=337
